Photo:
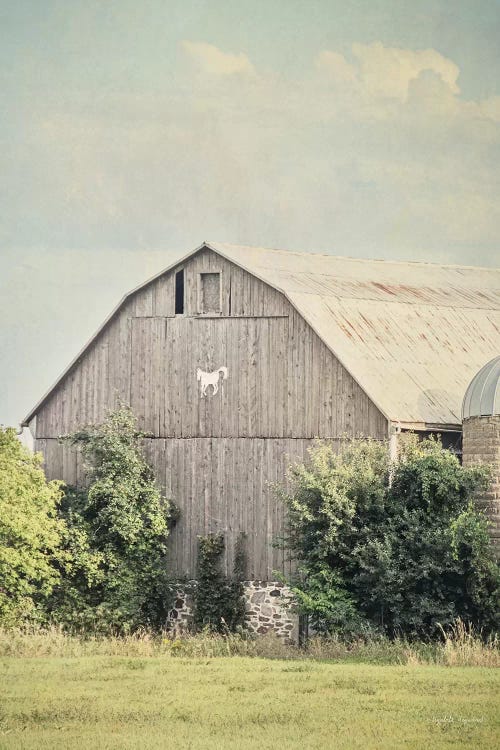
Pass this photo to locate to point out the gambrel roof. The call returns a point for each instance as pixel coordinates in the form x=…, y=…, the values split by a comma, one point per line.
x=411, y=334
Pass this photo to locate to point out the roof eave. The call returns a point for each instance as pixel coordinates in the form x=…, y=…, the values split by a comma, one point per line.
x=428, y=426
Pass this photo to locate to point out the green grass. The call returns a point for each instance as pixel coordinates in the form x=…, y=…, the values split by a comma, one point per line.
x=240, y=702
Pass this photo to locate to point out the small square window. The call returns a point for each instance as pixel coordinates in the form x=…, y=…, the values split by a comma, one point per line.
x=210, y=300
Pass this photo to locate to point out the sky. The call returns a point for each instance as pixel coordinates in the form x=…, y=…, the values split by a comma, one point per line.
x=132, y=131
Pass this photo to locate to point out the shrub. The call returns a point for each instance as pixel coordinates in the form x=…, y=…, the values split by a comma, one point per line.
x=396, y=549
x=30, y=531
x=218, y=599
x=116, y=536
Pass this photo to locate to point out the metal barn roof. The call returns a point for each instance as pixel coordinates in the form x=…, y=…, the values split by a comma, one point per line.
x=411, y=334
x=482, y=398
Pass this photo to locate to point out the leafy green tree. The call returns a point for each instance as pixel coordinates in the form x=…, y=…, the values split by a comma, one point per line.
x=117, y=530
x=30, y=531
x=397, y=549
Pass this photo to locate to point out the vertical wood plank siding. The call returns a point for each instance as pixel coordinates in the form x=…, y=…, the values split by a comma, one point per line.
x=219, y=484
x=215, y=456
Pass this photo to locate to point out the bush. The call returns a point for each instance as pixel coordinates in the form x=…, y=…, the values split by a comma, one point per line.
x=219, y=605
x=394, y=549
x=116, y=538
x=30, y=531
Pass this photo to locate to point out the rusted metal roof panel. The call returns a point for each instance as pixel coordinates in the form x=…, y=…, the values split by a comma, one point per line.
x=414, y=361
x=377, y=280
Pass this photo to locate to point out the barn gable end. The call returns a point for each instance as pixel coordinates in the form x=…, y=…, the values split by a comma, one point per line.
x=283, y=380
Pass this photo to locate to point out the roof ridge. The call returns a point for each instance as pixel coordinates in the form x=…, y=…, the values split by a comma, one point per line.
x=304, y=253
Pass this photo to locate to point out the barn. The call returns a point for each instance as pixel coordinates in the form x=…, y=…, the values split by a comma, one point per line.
x=235, y=358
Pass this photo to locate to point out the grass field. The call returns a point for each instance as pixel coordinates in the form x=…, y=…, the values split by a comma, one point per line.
x=237, y=702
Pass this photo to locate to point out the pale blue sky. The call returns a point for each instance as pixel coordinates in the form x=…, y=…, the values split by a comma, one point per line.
x=132, y=131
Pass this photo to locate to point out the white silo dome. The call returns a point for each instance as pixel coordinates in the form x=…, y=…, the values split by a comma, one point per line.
x=482, y=397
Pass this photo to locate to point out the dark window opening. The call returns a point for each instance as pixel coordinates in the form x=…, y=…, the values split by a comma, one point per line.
x=210, y=301
x=179, y=292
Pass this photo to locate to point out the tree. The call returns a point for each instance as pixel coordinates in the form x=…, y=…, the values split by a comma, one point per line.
x=397, y=548
x=117, y=530
x=30, y=531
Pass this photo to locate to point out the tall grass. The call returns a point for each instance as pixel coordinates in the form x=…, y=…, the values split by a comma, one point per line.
x=460, y=645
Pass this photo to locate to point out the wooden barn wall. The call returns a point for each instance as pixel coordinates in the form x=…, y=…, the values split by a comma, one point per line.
x=226, y=485
x=221, y=484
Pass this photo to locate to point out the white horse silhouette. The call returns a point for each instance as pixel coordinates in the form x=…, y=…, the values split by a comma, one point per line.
x=210, y=378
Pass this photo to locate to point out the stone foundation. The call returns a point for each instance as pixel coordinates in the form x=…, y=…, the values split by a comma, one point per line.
x=268, y=610
x=481, y=445
x=267, y=605
x=180, y=617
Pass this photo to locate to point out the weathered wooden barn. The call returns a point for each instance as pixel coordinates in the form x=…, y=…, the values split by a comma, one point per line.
x=235, y=358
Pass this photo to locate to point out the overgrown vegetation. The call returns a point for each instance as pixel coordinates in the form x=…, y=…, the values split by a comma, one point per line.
x=115, y=575
x=460, y=645
x=30, y=531
x=383, y=551
x=218, y=599
x=390, y=549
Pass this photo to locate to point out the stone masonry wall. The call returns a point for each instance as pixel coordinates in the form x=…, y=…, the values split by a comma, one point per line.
x=481, y=444
x=180, y=617
x=267, y=610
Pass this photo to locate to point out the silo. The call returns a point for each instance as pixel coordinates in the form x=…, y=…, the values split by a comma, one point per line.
x=481, y=436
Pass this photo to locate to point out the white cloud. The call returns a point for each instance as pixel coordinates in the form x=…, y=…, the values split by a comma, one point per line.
x=491, y=108
x=385, y=72
x=210, y=59
x=336, y=67
x=388, y=71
